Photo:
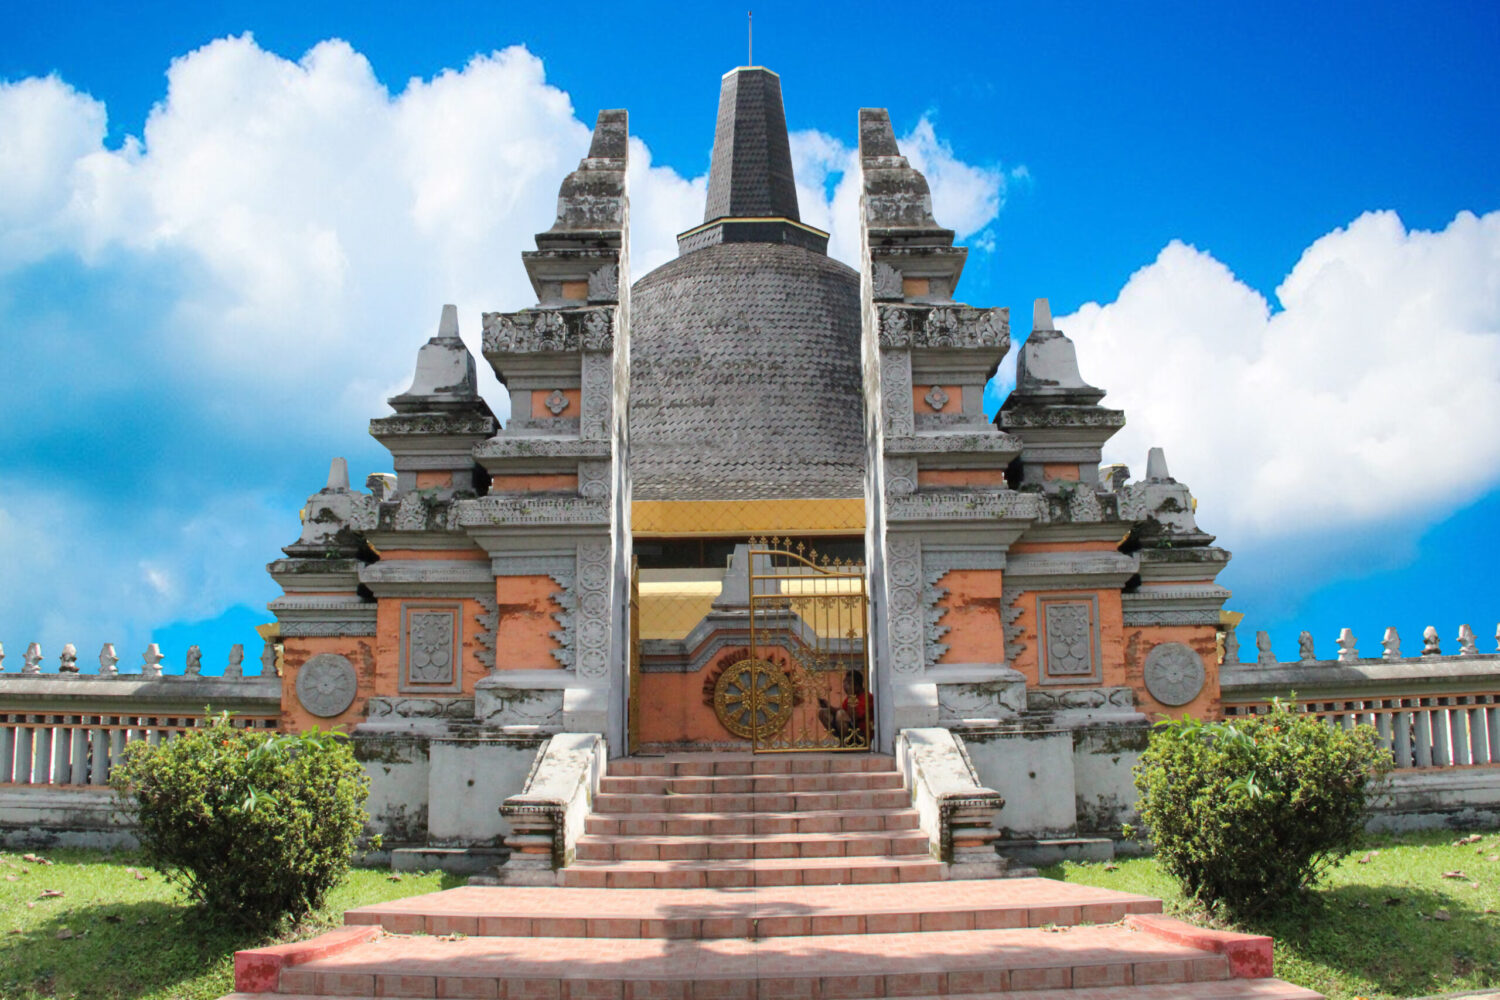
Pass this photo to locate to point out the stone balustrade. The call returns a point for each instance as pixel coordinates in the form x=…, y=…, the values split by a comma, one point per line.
x=1433, y=710
x=66, y=728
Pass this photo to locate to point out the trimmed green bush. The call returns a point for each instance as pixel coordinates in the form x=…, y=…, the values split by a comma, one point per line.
x=1251, y=812
x=254, y=826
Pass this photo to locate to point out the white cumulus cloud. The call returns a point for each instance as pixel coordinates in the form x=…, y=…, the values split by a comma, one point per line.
x=1370, y=391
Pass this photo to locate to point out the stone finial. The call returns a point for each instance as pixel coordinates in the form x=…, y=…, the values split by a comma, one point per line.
x=1392, y=644
x=107, y=660
x=67, y=660
x=1264, y=656
x=1114, y=477
x=1156, y=466
x=1041, y=315
x=1347, y=651
x=268, y=660
x=448, y=322
x=236, y=665
x=2, y=655
x=1431, y=644
x=1497, y=641
x=338, y=475
x=31, y=660
x=1466, y=645
x=1231, y=646
x=1305, y=651
x=193, y=665
x=151, y=661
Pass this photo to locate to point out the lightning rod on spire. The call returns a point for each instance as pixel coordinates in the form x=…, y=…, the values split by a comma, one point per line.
x=749, y=38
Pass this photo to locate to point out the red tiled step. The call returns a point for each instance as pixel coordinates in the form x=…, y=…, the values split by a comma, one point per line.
x=738, y=824
x=894, y=798
x=869, y=965
x=750, y=784
x=735, y=873
x=747, y=763
x=1229, y=989
x=810, y=845
x=747, y=913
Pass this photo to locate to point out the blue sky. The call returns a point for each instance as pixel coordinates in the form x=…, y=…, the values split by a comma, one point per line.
x=1271, y=229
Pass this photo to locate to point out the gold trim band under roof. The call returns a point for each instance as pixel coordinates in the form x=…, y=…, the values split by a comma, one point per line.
x=752, y=218
x=683, y=518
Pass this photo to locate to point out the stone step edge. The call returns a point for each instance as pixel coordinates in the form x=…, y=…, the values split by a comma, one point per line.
x=737, y=814
x=890, y=777
x=261, y=968
x=1250, y=955
x=678, y=839
x=766, y=924
x=753, y=864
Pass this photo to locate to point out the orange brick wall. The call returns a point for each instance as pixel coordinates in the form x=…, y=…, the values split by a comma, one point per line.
x=975, y=624
x=523, y=640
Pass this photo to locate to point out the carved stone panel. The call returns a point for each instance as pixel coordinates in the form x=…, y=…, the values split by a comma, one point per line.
x=895, y=393
x=1174, y=673
x=431, y=647
x=907, y=612
x=1068, y=627
x=326, y=685
x=591, y=592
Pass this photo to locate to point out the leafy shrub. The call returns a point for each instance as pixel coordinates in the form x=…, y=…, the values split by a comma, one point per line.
x=1251, y=812
x=254, y=826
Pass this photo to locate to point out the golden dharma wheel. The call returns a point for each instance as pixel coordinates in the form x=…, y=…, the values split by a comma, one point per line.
x=773, y=699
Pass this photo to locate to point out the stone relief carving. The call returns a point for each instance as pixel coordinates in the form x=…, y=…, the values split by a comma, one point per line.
x=430, y=652
x=1207, y=616
x=542, y=330
x=597, y=398
x=556, y=402
x=907, y=613
x=488, y=620
x=593, y=480
x=1083, y=505
x=1038, y=700
x=604, y=284
x=592, y=626
x=1010, y=603
x=943, y=327
x=1070, y=638
x=964, y=507
x=895, y=393
x=885, y=281
x=326, y=685
x=1174, y=673
x=936, y=397
x=510, y=509
x=900, y=476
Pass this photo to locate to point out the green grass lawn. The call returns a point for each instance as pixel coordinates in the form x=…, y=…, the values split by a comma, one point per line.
x=1386, y=923
x=122, y=931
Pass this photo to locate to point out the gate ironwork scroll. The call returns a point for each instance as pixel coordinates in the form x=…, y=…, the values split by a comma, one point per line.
x=806, y=683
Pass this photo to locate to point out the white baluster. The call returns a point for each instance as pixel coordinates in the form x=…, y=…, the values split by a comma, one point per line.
x=1424, y=735
x=2, y=652
x=80, y=754
x=1466, y=645
x=268, y=660
x=1403, y=735
x=151, y=661
x=1479, y=737
x=1392, y=644
x=98, y=756
x=23, y=752
x=1492, y=714
x=67, y=660
x=1347, y=651
x=1440, y=757
x=1431, y=644
x=7, y=752
x=1459, y=717
x=41, y=753
x=32, y=659
x=62, y=765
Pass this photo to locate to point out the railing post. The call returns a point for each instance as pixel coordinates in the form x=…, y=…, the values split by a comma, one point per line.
x=7, y=751
x=1424, y=735
x=1440, y=755
x=61, y=743
x=1460, y=719
x=1479, y=742
x=80, y=754
x=23, y=751
x=1493, y=712
x=41, y=753
x=1403, y=747
x=99, y=756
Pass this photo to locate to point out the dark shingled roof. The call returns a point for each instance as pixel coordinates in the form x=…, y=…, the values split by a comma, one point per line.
x=745, y=376
x=751, y=172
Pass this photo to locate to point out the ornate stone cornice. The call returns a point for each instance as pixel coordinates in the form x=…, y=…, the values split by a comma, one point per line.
x=537, y=331
x=944, y=326
x=489, y=511
x=447, y=424
x=968, y=506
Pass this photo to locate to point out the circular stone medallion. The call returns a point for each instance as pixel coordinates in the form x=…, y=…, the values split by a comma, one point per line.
x=1174, y=673
x=326, y=685
x=773, y=698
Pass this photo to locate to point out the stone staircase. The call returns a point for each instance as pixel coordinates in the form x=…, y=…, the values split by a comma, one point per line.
x=739, y=877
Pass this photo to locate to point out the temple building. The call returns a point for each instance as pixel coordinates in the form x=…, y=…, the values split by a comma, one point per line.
x=748, y=501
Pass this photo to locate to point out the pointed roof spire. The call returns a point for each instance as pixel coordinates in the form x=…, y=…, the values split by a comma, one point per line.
x=752, y=194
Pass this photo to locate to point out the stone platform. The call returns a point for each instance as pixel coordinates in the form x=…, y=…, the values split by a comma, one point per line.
x=707, y=878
